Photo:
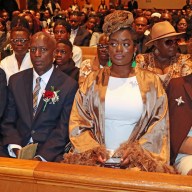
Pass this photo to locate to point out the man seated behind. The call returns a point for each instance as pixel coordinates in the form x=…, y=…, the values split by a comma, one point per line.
x=20, y=59
x=30, y=115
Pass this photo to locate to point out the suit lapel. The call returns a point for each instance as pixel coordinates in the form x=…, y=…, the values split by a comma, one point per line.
x=52, y=82
x=28, y=84
x=188, y=85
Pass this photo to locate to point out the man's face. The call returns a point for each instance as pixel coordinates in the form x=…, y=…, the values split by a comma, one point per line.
x=63, y=54
x=74, y=21
x=20, y=42
x=41, y=52
x=140, y=25
x=5, y=16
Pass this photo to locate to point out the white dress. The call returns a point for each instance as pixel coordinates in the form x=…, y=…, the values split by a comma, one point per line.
x=123, y=109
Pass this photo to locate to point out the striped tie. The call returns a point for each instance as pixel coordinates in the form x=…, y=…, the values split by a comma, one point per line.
x=35, y=95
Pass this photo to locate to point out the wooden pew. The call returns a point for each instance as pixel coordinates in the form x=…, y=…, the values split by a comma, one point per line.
x=88, y=52
x=33, y=176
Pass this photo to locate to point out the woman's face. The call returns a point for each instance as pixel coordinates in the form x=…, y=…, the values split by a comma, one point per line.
x=91, y=23
x=121, y=47
x=182, y=25
x=60, y=33
x=167, y=47
x=30, y=21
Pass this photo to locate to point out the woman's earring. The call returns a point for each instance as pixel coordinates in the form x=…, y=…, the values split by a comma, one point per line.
x=109, y=63
x=133, y=60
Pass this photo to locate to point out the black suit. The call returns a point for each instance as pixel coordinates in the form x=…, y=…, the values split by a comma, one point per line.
x=82, y=38
x=3, y=92
x=48, y=128
x=132, y=6
x=180, y=115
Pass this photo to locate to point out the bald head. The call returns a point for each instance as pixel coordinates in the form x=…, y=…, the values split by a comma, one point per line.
x=42, y=48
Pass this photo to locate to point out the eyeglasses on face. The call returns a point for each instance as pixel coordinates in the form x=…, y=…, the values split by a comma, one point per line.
x=170, y=42
x=16, y=41
x=102, y=46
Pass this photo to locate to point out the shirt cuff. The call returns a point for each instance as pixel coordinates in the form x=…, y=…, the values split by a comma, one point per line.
x=41, y=158
x=11, y=147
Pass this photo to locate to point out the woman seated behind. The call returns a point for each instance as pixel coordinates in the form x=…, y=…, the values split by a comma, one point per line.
x=120, y=104
x=164, y=60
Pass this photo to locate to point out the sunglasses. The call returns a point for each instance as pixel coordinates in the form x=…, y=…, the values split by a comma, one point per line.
x=171, y=42
x=102, y=46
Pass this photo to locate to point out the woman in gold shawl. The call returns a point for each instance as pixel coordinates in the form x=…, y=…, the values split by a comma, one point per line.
x=120, y=112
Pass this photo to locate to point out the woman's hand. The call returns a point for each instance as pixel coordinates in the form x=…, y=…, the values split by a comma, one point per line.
x=101, y=159
x=125, y=159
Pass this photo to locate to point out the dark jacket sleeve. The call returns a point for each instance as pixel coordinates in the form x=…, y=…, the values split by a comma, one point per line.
x=3, y=92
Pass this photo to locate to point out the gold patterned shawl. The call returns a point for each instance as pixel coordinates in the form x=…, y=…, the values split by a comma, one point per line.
x=87, y=120
x=180, y=65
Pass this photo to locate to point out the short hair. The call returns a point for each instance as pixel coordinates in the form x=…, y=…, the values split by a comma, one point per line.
x=20, y=28
x=19, y=21
x=64, y=24
x=66, y=42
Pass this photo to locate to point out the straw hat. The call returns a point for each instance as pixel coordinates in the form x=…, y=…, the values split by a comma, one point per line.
x=162, y=30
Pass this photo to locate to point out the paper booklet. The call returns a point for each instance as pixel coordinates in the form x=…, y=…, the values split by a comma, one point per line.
x=28, y=152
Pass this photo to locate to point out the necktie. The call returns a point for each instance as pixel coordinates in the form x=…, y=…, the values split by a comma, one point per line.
x=35, y=95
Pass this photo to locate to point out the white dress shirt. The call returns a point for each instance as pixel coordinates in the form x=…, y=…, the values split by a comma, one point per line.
x=10, y=66
x=43, y=83
x=73, y=35
x=77, y=55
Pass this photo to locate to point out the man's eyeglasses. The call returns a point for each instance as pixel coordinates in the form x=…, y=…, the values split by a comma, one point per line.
x=16, y=41
x=170, y=42
x=102, y=46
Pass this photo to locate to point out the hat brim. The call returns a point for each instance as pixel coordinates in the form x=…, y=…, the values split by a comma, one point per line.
x=149, y=43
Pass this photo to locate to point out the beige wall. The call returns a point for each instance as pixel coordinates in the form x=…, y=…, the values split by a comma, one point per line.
x=159, y=4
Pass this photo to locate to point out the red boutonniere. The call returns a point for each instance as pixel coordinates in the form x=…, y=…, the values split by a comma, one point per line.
x=50, y=97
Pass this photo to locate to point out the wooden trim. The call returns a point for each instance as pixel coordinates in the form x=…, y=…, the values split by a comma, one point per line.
x=34, y=176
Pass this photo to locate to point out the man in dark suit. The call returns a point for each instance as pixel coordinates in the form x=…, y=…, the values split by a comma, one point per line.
x=179, y=94
x=79, y=35
x=3, y=99
x=32, y=116
x=132, y=5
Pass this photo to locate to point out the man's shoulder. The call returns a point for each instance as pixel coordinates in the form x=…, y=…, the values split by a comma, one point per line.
x=21, y=74
x=63, y=78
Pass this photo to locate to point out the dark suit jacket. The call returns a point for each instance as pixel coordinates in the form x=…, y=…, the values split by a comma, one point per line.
x=48, y=128
x=180, y=116
x=82, y=38
x=133, y=6
x=3, y=92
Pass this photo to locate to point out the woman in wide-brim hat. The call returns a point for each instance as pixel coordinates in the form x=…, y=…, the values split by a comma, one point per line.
x=165, y=59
